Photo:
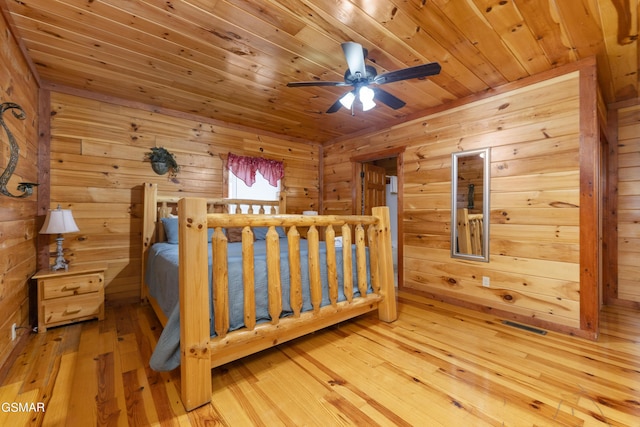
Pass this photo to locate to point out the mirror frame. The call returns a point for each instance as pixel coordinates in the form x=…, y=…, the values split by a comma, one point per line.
x=486, y=179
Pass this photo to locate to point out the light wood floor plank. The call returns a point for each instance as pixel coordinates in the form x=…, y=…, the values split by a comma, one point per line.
x=56, y=413
x=9, y=393
x=466, y=372
x=82, y=402
x=437, y=365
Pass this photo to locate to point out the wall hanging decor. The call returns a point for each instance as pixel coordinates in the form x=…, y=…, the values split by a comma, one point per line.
x=162, y=161
x=25, y=187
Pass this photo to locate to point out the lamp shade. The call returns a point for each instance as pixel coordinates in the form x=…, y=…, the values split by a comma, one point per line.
x=347, y=100
x=366, y=97
x=59, y=221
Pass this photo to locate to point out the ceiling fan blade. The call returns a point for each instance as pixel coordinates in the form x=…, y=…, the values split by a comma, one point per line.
x=388, y=99
x=354, y=55
x=315, y=83
x=416, y=72
x=335, y=107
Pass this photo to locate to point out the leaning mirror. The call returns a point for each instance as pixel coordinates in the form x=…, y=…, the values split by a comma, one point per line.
x=470, y=205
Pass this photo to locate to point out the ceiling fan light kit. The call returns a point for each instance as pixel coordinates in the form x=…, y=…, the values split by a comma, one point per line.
x=347, y=100
x=366, y=97
x=360, y=76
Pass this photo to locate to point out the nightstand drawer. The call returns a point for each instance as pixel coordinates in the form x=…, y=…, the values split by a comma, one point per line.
x=72, y=308
x=58, y=287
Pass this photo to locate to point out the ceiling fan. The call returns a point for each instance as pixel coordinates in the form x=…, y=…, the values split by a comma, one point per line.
x=360, y=76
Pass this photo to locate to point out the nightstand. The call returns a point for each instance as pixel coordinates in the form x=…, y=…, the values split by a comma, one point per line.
x=70, y=296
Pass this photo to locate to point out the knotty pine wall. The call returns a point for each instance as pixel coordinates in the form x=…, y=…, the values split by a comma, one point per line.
x=534, y=135
x=97, y=170
x=628, y=207
x=18, y=229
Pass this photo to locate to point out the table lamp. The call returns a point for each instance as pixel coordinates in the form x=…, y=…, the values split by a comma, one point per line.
x=59, y=221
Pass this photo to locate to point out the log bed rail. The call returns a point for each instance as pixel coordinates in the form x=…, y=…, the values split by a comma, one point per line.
x=200, y=352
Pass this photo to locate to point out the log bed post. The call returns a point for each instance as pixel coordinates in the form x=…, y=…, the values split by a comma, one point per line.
x=387, y=308
x=195, y=364
x=149, y=216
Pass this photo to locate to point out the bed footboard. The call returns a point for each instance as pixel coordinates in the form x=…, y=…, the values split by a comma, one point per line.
x=200, y=352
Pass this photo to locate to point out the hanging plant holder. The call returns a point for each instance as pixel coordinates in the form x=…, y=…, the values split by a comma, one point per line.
x=160, y=167
x=162, y=161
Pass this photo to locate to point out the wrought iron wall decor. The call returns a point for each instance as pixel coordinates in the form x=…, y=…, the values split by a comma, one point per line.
x=25, y=187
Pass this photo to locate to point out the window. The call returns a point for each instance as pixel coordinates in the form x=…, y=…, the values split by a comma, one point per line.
x=254, y=178
x=260, y=190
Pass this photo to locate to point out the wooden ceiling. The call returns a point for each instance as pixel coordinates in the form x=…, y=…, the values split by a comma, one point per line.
x=230, y=60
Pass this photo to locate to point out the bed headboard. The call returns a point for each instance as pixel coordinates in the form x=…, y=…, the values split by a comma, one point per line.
x=158, y=206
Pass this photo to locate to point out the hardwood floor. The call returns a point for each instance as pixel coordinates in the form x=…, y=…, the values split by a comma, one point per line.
x=436, y=365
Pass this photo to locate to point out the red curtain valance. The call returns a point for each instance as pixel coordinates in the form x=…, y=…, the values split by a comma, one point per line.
x=245, y=168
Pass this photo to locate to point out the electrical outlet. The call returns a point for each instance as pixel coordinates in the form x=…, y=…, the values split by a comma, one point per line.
x=486, y=282
x=13, y=331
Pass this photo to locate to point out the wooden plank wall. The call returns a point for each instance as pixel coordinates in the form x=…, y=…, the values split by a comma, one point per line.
x=534, y=135
x=628, y=208
x=18, y=228
x=97, y=168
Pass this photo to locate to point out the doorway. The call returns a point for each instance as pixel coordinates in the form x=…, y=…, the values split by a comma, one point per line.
x=377, y=179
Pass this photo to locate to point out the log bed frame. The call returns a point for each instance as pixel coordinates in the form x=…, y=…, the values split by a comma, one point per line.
x=199, y=351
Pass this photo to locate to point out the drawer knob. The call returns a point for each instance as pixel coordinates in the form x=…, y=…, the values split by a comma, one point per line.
x=68, y=312
x=70, y=288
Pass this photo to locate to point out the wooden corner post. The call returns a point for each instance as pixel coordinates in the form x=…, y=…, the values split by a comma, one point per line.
x=149, y=216
x=195, y=363
x=387, y=309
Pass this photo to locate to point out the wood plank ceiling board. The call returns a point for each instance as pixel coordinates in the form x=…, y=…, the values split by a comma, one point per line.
x=230, y=60
x=472, y=23
x=585, y=34
x=541, y=17
x=514, y=31
x=620, y=19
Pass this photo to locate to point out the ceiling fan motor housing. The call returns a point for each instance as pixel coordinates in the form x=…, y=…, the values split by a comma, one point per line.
x=351, y=79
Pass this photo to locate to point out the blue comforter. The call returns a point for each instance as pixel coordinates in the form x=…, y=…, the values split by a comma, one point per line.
x=162, y=279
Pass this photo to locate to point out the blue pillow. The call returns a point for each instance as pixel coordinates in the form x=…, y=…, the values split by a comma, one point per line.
x=260, y=233
x=171, y=230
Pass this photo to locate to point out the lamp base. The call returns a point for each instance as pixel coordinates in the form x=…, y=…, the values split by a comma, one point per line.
x=60, y=261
